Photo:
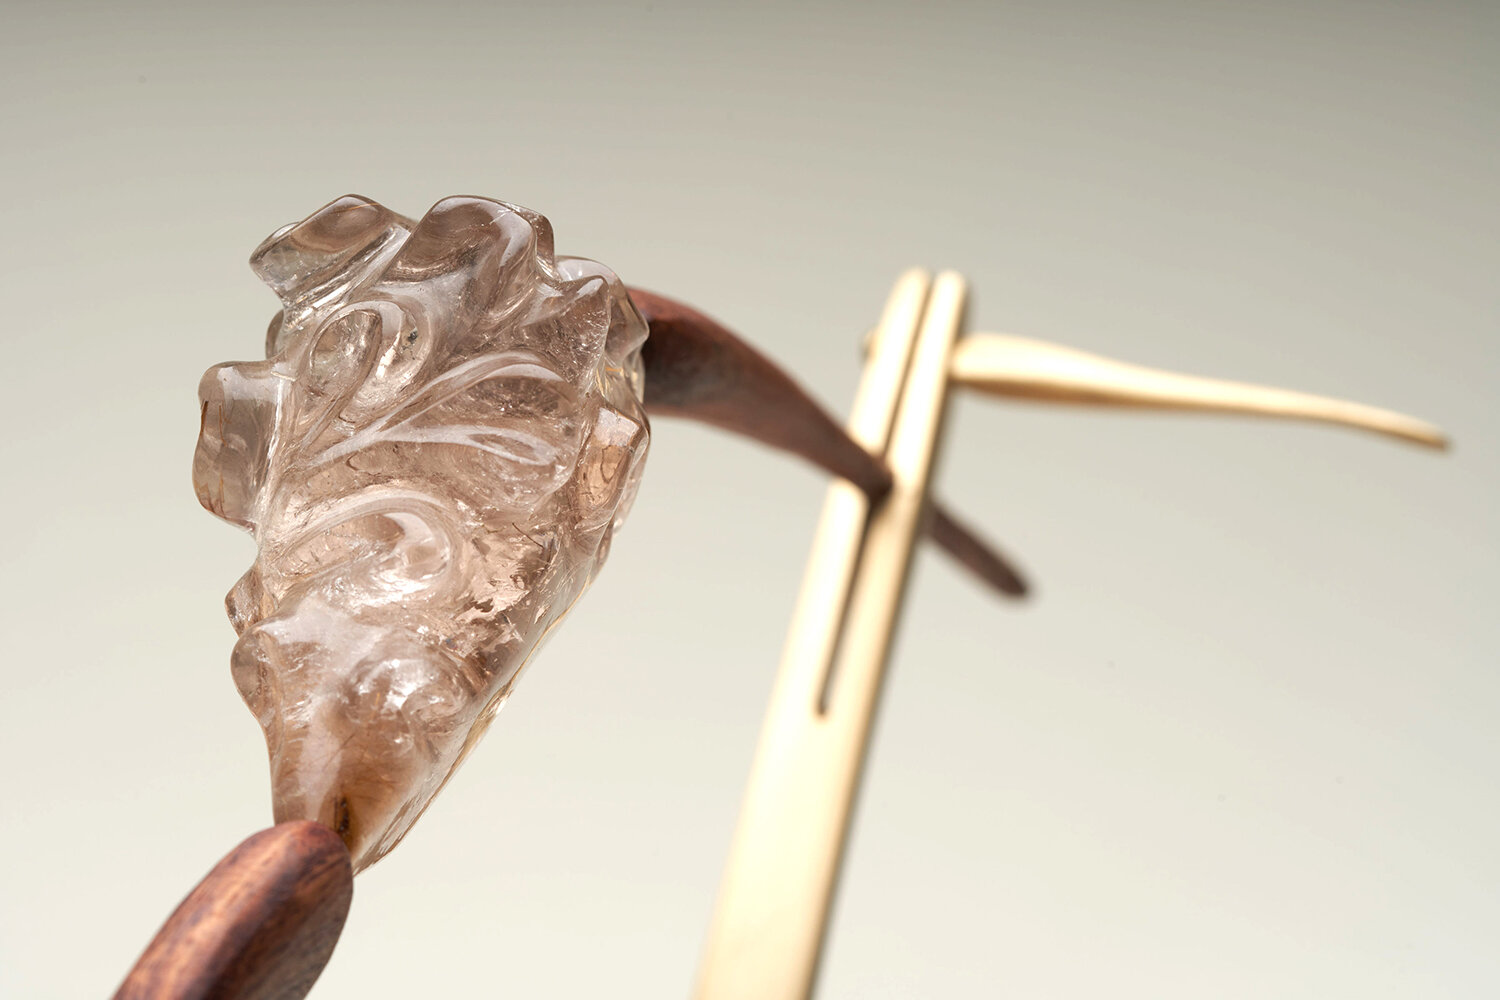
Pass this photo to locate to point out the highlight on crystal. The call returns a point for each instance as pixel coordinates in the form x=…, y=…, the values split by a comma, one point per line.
x=444, y=434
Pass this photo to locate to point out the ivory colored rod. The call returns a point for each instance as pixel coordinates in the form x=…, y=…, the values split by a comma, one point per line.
x=771, y=917
x=1032, y=369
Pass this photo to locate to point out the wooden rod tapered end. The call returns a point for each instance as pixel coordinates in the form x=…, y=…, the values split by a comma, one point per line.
x=1017, y=367
x=261, y=925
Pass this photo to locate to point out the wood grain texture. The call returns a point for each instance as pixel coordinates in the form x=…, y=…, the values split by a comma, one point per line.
x=260, y=926
x=697, y=369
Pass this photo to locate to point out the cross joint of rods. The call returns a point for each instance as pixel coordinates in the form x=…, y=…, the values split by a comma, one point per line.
x=770, y=922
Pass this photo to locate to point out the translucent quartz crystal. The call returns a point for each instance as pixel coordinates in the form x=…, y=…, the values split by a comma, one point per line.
x=445, y=432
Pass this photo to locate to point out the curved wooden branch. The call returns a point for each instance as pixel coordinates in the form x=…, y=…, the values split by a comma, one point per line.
x=261, y=925
x=697, y=369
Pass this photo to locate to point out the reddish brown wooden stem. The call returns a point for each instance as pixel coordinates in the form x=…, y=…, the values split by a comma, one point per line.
x=698, y=369
x=969, y=551
x=260, y=926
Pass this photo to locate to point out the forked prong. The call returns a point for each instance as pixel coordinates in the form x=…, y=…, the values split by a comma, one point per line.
x=1020, y=368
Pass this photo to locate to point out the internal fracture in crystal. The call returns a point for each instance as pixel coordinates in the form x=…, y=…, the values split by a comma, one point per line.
x=445, y=433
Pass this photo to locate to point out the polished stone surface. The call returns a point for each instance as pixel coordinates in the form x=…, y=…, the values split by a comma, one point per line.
x=445, y=433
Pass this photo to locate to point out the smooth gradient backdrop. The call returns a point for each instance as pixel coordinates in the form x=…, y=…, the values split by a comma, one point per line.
x=1243, y=742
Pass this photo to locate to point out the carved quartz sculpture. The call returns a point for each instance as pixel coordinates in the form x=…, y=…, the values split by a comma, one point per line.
x=445, y=432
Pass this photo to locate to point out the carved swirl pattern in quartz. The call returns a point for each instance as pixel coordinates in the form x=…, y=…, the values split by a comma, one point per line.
x=445, y=432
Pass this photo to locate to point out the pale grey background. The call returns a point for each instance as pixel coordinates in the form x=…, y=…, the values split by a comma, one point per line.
x=1243, y=744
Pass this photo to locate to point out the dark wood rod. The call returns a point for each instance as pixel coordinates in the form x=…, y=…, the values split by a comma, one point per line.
x=696, y=368
x=260, y=926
